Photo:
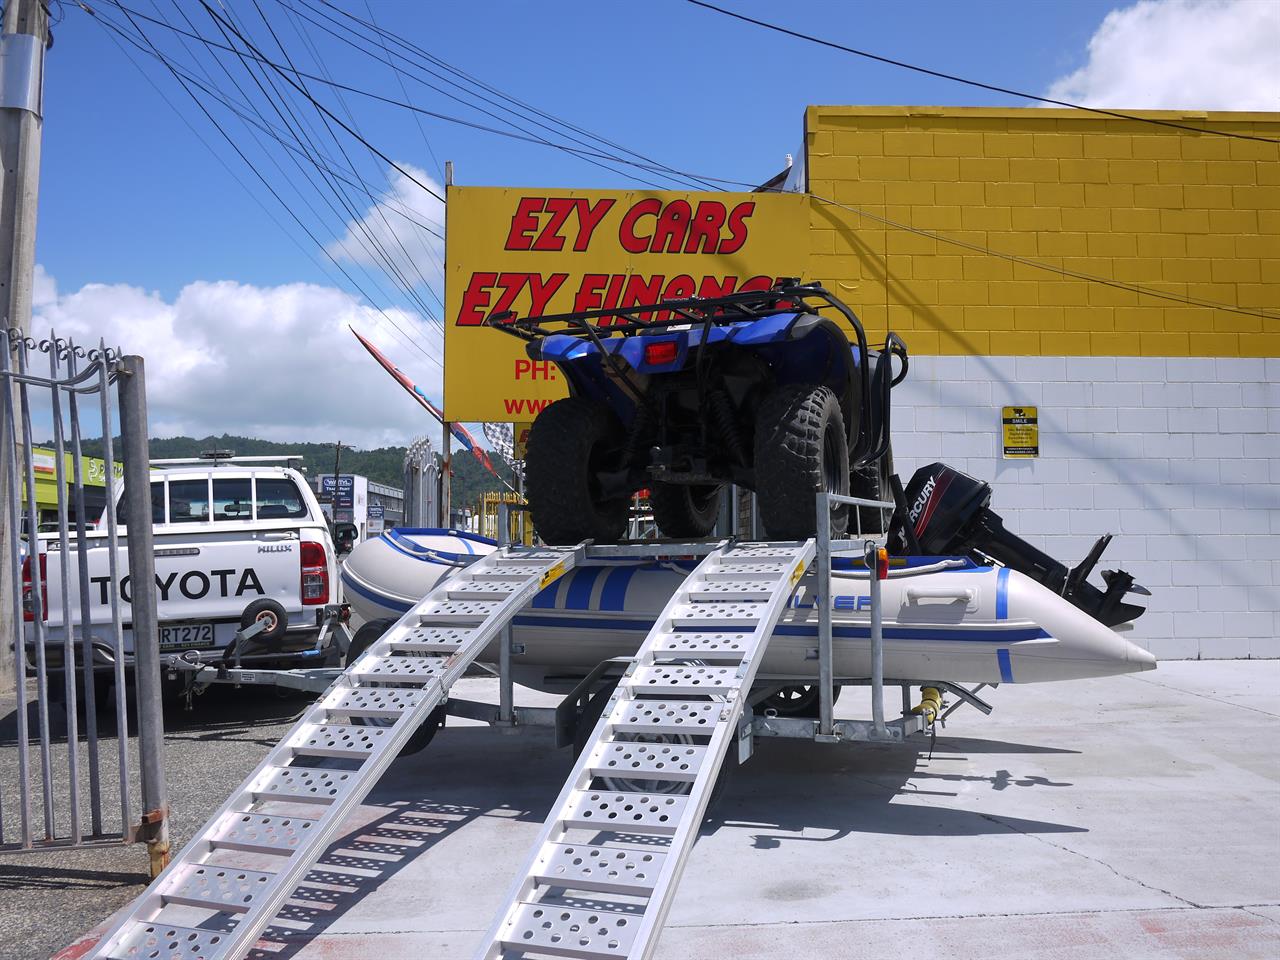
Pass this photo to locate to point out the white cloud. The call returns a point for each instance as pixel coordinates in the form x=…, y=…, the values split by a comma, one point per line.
x=270, y=362
x=1182, y=54
x=394, y=227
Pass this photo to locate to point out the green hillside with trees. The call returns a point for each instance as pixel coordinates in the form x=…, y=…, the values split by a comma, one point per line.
x=382, y=465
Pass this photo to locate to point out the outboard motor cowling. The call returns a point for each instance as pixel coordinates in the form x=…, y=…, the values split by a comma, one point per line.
x=949, y=513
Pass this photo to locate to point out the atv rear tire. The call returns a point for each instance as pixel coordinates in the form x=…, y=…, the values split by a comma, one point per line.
x=569, y=443
x=801, y=449
x=684, y=511
x=872, y=483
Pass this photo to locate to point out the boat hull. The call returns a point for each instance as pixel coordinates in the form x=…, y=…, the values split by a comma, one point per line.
x=942, y=620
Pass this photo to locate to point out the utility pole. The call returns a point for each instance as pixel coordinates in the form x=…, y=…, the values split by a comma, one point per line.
x=22, y=45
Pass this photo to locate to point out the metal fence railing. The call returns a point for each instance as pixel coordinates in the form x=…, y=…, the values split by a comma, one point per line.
x=66, y=783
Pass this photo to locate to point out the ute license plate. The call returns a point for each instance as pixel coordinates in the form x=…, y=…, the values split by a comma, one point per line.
x=186, y=636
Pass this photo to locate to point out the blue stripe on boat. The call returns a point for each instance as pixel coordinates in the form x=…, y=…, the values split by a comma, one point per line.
x=1006, y=666
x=614, y=594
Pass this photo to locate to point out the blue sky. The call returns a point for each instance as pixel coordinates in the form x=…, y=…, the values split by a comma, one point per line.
x=149, y=239
x=130, y=195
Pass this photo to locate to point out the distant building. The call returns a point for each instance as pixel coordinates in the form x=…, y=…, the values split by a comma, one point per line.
x=48, y=493
x=371, y=506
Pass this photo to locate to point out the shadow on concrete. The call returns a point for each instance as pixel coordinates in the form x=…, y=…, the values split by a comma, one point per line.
x=943, y=747
x=354, y=867
x=220, y=711
x=19, y=877
x=810, y=792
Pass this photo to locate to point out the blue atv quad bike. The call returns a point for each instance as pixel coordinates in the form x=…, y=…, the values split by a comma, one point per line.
x=759, y=389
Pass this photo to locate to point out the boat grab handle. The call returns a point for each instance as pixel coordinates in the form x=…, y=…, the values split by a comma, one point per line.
x=940, y=593
x=894, y=574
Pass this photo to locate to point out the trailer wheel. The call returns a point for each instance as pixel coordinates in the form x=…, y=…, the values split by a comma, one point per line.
x=683, y=511
x=591, y=714
x=801, y=449
x=270, y=613
x=571, y=441
x=365, y=637
x=796, y=701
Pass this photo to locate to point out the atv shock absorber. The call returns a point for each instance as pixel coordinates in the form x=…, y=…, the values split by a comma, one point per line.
x=639, y=429
x=720, y=414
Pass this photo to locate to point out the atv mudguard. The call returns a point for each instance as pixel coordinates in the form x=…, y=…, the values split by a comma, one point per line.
x=798, y=347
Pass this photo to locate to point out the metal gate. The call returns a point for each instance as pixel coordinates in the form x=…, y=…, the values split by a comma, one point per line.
x=73, y=787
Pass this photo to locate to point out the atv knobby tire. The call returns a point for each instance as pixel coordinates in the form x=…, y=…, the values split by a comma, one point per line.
x=570, y=441
x=871, y=482
x=801, y=449
x=682, y=511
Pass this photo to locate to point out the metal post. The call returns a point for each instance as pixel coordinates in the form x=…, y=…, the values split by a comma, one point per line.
x=446, y=468
x=22, y=48
x=154, y=826
x=113, y=572
x=822, y=570
x=506, y=691
x=877, y=641
x=446, y=441
x=64, y=568
x=755, y=517
x=86, y=634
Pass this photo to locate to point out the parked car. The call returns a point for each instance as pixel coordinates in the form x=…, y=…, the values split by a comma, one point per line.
x=236, y=541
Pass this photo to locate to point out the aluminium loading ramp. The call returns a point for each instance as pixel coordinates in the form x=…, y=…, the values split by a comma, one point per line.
x=605, y=867
x=207, y=904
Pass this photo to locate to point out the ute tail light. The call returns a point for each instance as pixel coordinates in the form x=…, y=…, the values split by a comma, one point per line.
x=315, y=573
x=28, y=591
x=661, y=352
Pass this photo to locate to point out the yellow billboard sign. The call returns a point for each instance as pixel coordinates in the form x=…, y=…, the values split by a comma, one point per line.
x=538, y=252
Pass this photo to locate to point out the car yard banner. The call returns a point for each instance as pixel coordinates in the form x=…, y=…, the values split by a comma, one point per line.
x=538, y=252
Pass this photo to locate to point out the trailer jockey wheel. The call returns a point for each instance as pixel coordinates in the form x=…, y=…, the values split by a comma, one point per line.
x=797, y=701
x=365, y=637
x=272, y=615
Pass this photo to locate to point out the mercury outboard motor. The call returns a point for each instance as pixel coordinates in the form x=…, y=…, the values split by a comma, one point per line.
x=948, y=512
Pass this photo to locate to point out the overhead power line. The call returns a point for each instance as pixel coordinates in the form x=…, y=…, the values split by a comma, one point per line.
x=107, y=24
x=391, y=101
x=1041, y=265
x=973, y=83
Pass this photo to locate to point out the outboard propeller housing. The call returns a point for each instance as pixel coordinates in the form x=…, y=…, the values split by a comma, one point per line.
x=949, y=513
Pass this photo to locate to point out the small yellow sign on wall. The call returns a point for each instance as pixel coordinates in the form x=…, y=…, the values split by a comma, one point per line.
x=1021, y=429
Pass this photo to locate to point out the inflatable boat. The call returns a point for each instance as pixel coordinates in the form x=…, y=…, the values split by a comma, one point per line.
x=945, y=618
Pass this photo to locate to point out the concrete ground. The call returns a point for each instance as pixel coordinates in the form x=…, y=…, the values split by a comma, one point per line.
x=1134, y=817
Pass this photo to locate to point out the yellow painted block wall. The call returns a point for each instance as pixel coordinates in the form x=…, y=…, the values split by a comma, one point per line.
x=1188, y=215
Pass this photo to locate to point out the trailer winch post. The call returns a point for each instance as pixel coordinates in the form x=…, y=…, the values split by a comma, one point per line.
x=872, y=558
x=506, y=692
x=822, y=564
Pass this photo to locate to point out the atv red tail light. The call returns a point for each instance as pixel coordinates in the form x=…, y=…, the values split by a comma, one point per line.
x=315, y=573
x=661, y=352
x=28, y=591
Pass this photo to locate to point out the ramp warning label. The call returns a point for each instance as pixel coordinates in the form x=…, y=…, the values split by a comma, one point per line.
x=1021, y=429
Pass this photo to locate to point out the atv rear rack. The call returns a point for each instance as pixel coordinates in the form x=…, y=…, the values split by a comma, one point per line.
x=788, y=296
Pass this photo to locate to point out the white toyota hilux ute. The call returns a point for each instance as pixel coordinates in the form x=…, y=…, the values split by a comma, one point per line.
x=236, y=541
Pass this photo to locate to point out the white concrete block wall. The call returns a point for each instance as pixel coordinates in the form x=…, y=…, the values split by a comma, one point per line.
x=1178, y=457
